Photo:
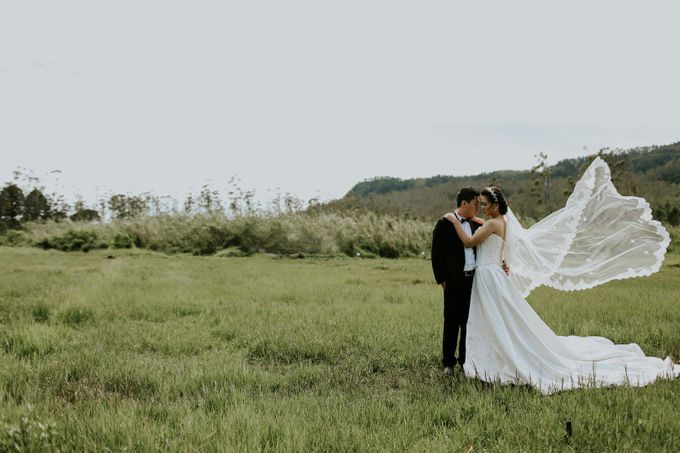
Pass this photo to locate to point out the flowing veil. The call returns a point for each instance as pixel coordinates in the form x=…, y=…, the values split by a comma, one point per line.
x=598, y=236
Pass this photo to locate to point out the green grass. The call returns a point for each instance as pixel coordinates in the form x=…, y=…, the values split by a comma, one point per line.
x=154, y=352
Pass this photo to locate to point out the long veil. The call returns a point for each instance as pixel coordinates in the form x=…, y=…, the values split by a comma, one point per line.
x=598, y=236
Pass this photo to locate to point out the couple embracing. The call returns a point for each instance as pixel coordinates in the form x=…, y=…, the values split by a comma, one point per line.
x=454, y=267
x=598, y=236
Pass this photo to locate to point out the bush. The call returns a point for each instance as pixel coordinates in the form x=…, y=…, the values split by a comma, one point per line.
x=14, y=238
x=73, y=240
x=123, y=241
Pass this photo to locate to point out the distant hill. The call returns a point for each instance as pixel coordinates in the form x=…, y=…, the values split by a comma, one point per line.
x=650, y=172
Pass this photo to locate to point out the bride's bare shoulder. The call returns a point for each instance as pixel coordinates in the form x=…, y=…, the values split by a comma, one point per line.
x=496, y=223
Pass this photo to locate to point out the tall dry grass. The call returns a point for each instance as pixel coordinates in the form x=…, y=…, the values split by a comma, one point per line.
x=363, y=234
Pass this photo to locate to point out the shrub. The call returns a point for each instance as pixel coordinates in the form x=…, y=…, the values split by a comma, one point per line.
x=123, y=241
x=73, y=240
x=14, y=238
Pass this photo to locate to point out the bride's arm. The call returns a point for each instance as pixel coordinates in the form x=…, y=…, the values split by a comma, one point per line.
x=482, y=232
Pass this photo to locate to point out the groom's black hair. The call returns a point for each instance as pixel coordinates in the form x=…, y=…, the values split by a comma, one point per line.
x=466, y=194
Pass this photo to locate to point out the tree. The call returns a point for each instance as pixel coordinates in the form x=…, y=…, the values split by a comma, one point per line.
x=11, y=206
x=210, y=200
x=36, y=206
x=189, y=205
x=59, y=208
x=85, y=215
x=671, y=172
x=569, y=187
x=127, y=206
x=541, y=175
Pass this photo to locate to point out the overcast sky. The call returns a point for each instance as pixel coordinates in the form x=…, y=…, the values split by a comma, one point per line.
x=313, y=96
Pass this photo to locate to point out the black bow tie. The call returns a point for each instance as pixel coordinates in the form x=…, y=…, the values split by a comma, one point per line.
x=463, y=220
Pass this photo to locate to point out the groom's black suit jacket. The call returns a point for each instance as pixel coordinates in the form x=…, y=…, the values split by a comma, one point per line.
x=448, y=252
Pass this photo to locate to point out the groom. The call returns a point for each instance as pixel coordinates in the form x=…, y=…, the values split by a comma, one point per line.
x=454, y=269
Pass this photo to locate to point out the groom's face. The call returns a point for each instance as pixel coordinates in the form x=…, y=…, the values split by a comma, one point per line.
x=469, y=208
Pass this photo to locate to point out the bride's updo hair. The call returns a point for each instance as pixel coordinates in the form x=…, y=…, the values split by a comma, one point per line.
x=495, y=195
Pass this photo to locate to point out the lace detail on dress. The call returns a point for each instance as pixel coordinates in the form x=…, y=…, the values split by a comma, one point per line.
x=489, y=251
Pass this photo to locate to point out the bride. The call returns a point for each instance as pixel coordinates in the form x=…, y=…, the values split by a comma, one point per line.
x=598, y=236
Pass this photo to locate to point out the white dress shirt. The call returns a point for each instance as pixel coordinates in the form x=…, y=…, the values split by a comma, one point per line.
x=469, y=253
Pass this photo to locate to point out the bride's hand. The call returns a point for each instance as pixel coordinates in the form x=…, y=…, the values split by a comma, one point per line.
x=450, y=217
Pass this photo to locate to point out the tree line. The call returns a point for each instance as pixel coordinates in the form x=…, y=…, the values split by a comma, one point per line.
x=652, y=173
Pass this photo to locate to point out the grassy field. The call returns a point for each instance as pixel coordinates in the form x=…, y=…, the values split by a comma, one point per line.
x=146, y=351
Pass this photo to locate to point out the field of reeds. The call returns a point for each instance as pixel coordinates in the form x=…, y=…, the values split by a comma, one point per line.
x=133, y=349
x=328, y=234
x=356, y=234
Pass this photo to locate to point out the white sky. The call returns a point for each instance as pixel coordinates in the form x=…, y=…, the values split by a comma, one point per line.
x=313, y=96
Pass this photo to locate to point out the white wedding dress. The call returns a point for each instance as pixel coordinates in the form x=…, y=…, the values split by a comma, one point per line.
x=599, y=236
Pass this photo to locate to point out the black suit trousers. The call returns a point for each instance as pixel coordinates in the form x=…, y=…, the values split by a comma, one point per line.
x=456, y=312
